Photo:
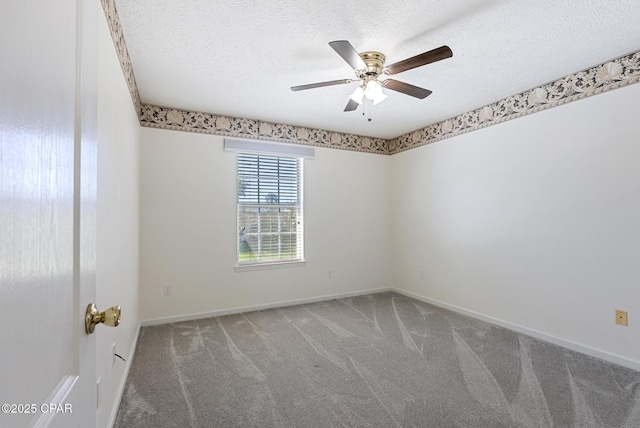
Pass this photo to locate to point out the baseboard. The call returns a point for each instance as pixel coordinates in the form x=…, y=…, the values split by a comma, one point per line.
x=597, y=353
x=241, y=309
x=123, y=381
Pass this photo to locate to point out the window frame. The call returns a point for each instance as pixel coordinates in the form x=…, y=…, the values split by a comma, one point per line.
x=271, y=150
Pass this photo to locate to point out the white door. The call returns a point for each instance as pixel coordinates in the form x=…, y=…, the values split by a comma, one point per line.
x=47, y=222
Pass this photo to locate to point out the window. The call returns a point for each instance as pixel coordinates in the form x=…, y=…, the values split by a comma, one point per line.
x=270, y=209
x=270, y=226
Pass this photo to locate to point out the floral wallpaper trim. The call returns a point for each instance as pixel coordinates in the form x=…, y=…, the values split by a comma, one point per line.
x=113, y=22
x=181, y=120
x=595, y=80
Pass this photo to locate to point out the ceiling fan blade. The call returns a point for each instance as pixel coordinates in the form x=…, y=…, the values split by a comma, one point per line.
x=349, y=54
x=321, y=84
x=405, y=88
x=351, y=106
x=425, y=58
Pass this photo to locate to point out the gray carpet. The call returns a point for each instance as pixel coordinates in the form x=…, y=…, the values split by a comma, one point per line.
x=382, y=360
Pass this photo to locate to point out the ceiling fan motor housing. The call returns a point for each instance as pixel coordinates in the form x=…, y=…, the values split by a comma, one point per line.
x=374, y=61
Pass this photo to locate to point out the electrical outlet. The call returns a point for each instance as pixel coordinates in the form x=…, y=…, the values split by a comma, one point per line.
x=168, y=290
x=113, y=354
x=621, y=318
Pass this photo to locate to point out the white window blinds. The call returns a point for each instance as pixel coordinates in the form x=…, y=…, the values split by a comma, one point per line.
x=270, y=209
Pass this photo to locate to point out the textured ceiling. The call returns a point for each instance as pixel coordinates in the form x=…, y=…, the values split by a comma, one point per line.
x=239, y=58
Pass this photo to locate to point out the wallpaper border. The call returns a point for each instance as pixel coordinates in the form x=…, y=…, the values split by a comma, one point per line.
x=113, y=22
x=604, y=77
x=601, y=78
x=207, y=123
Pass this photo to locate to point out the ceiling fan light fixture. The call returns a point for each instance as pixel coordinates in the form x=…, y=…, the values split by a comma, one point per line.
x=373, y=91
x=379, y=98
x=371, y=88
x=357, y=95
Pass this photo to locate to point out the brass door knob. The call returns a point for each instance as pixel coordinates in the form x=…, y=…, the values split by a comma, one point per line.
x=110, y=317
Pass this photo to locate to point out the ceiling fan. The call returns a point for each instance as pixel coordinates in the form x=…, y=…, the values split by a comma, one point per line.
x=369, y=67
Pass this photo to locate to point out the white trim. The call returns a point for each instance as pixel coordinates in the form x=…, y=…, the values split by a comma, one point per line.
x=583, y=349
x=58, y=397
x=241, y=309
x=123, y=381
x=267, y=266
x=265, y=148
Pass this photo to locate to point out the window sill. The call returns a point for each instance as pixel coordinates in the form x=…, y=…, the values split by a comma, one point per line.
x=268, y=266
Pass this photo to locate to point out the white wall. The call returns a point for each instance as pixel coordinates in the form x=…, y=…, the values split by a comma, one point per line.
x=188, y=228
x=117, y=222
x=534, y=222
